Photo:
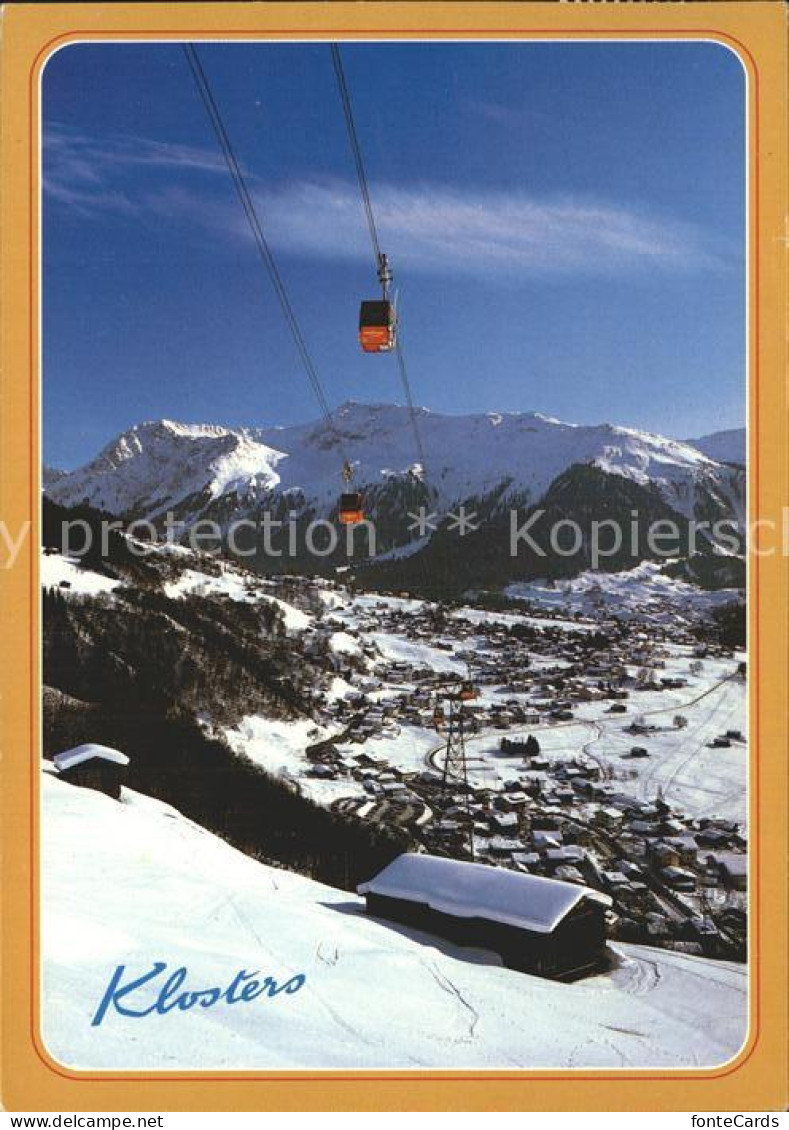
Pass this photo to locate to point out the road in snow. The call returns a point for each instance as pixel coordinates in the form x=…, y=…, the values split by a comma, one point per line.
x=132, y=883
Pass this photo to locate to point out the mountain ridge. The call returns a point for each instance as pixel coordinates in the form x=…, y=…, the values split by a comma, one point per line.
x=727, y=446
x=380, y=445
x=490, y=463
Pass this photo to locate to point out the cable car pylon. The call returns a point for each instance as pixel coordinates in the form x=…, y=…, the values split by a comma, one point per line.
x=449, y=718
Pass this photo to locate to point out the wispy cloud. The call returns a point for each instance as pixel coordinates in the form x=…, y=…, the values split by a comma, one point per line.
x=438, y=228
x=91, y=175
x=492, y=111
x=83, y=155
x=504, y=114
x=426, y=227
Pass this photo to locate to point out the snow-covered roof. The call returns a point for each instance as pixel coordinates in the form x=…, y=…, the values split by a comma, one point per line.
x=469, y=890
x=71, y=757
x=734, y=862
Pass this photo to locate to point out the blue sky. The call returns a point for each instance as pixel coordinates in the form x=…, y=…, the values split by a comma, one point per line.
x=565, y=222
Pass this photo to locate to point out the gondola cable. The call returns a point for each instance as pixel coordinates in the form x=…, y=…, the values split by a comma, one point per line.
x=345, y=98
x=264, y=250
x=410, y=402
x=382, y=265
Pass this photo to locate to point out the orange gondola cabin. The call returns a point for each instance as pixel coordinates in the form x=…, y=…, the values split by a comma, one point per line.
x=377, y=326
x=351, y=510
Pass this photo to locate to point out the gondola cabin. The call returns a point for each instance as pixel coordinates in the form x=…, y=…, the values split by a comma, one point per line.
x=351, y=510
x=377, y=323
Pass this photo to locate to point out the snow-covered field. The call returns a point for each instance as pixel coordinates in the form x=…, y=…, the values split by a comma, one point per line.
x=57, y=570
x=486, y=616
x=277, y=746
x=134, y=883
x=694, y=778
x=406, y=750
x=419, y=654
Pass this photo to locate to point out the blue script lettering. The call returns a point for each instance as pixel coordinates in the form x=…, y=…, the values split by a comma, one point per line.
x=244, y=987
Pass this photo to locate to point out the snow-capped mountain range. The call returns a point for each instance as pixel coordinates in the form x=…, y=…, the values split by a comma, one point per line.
x=492, y=466
x=164, y=465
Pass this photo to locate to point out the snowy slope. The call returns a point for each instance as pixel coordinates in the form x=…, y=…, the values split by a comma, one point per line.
x=133, y=883
x=695, y=779
x=235, y=585
x=726, y=447
x=59, y=570
x=157, y=466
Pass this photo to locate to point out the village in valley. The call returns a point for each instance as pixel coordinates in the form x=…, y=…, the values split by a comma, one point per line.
x=590, y=819
x=595, y=749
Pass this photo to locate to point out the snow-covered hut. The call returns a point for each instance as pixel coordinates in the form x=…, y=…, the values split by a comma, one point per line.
x=537, y=925
x=93, y=766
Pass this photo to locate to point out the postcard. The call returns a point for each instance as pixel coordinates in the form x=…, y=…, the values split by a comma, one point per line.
x=394, y=543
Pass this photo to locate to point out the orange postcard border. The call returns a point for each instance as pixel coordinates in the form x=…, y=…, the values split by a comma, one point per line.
x=616, y=1078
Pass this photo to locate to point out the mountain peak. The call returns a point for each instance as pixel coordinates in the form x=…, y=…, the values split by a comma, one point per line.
x=179, y=428
x=159, y=464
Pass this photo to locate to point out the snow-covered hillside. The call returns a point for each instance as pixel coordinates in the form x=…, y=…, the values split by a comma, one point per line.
x=164, y=465
x=135, y=883
x=645, y=593
x=61, y=571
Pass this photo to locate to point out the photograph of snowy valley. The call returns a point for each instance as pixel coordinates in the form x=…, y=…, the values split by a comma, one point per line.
x=394, y=556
